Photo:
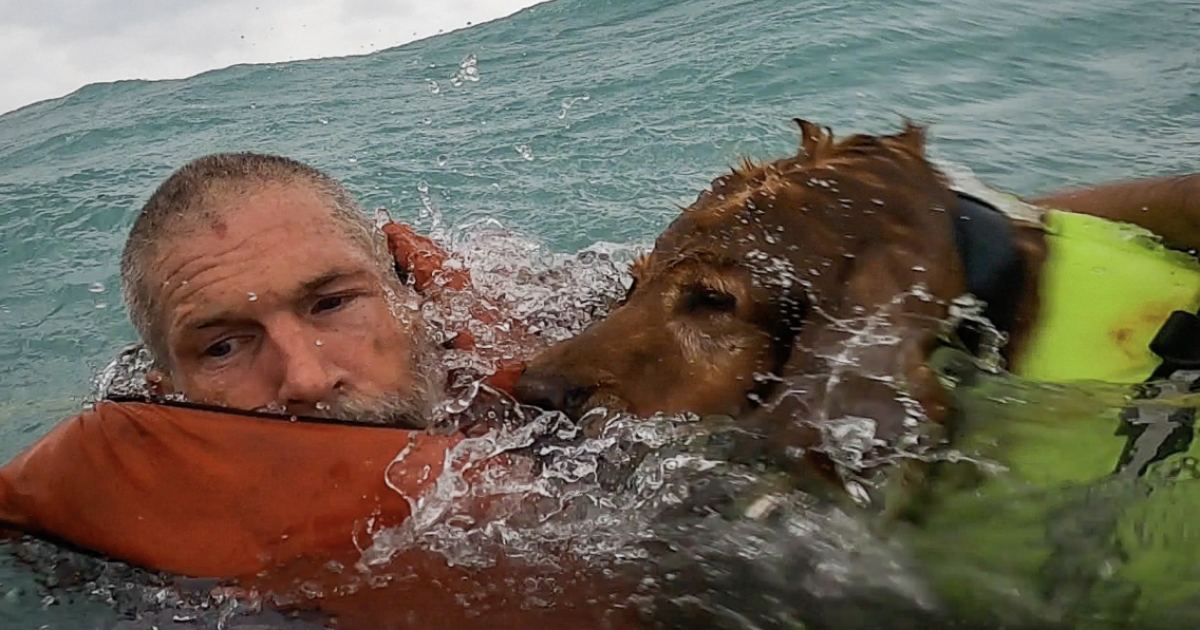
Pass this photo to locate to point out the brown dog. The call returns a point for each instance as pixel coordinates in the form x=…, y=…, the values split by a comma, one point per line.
x=758, y=296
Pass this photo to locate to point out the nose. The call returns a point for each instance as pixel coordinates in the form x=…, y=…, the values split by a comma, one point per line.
x=552, y=392
x=308, y=378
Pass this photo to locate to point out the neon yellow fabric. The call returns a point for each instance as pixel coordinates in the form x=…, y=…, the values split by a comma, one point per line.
x=1028, y=522
x=1029, y=519
x=1106, y=289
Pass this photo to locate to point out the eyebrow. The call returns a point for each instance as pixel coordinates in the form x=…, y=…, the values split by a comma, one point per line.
x=305, y=289
x=312, y=286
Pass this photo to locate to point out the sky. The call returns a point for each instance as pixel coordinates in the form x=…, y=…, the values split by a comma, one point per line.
x=50, y=48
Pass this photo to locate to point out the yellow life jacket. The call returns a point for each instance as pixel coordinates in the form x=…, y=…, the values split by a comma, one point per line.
x=1107, y=288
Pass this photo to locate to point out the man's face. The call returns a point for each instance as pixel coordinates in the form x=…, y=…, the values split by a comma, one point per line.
x=271, y=306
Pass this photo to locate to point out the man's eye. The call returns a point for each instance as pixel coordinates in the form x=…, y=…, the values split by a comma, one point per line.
x=220, y=349
x=331, y=303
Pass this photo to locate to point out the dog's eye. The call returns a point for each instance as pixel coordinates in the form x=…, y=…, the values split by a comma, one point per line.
x=710, y=300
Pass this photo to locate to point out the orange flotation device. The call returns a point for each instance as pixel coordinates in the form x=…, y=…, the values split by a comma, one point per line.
x=210, y=493
x=268, y=505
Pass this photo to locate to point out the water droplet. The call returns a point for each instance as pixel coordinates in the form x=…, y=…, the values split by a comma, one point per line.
x=569, y=102
x=468, y=70
x=96, y=287
x=272, y=407
x=320, y=343
x=252, y=296
x=322, y=406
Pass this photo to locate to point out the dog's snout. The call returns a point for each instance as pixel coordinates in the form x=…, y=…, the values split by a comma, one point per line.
x=551, y=392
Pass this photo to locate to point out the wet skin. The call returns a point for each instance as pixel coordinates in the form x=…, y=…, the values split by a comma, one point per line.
x=269, y=305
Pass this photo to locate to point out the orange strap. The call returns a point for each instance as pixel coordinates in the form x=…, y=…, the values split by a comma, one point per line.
x=425, y=261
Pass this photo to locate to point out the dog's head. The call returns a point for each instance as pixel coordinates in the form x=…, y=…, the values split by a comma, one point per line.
x=757, y=285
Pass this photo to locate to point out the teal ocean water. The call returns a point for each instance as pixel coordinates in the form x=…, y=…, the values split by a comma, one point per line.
x=573, y=122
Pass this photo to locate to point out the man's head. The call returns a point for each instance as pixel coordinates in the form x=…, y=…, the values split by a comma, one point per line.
x=258, y=283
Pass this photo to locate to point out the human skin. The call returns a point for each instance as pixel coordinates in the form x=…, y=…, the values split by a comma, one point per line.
x=267, y=304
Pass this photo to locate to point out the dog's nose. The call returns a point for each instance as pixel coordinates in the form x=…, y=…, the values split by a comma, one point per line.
x=551, y=392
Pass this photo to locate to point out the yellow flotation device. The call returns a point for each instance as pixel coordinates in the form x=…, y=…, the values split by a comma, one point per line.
x=1106, y=290
x=1075, y=510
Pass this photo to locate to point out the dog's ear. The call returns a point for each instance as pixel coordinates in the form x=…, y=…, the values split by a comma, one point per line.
x=914, y=136
x=814, y=139
x=638, y=270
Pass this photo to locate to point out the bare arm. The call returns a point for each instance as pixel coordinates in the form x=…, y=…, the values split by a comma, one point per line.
x=1167, y=206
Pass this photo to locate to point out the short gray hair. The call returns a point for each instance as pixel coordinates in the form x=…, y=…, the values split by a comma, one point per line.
x=193, y=193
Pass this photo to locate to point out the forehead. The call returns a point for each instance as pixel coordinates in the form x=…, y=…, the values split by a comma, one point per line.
x=261, y=205
x=265, y=236
x=232, y=216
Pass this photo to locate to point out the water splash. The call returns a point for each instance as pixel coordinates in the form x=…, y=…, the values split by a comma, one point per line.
x=530, y=297
x=126, y=376
x=569, y=102
x=430, y=212
x=468, y=71
x=143, y=599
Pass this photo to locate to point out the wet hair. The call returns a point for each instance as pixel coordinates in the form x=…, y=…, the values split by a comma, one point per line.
x=194, y=194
